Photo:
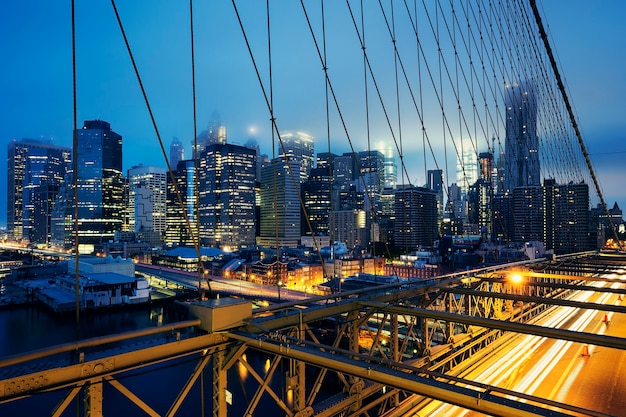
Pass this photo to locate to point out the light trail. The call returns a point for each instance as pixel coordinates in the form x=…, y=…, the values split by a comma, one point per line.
x=498, y=370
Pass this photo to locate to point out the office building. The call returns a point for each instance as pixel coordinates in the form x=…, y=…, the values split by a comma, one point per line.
x=416, y=217
x=280, y=204
x=317, y=202
x=391, y=170
x=227, y=200
x=521, y=153
x=177, y=153
x=35, y=171
x=100, y=189
x=180, y=219
x=298, y=147
x=147, y=199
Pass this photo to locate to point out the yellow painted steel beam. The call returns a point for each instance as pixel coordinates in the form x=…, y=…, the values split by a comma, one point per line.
x=131, y=396
x=538, y=300
x=485, y=400
x=71, y=374
x=589, y=338
x=96, y=341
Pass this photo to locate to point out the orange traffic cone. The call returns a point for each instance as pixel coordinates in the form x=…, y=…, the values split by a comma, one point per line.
x=606, y=318
x=585, y=350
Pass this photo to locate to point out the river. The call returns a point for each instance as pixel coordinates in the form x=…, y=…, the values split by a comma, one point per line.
x=26, y=328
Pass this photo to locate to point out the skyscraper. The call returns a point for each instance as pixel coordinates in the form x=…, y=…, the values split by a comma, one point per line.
x=371, y=179
x=298, y=147
x=227, y=197
x=100, y=188
x=280, y=204
x=177, y=153
x=416, y=217
x=391, y=171
x=317, y=202
x=147, y=201
x=521, y=153
x=176, y=228
x=35, y=171
x=466, y=166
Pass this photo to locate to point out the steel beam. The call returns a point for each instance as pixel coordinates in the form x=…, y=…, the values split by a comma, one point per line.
x=481, y=399
x=537, y=300
x=589, y=338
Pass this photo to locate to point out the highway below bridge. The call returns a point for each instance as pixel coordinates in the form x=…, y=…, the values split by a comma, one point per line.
x=533, y=338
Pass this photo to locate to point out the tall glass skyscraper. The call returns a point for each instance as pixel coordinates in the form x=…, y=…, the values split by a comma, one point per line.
x=177, y=153
x=177, y=231
x=35, y=171
x=521, y=152
x=100, y=188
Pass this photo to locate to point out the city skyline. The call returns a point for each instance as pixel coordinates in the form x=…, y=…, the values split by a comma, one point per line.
x=108, y=91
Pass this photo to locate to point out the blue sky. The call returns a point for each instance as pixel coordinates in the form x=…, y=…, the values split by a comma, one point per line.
x=35, y=75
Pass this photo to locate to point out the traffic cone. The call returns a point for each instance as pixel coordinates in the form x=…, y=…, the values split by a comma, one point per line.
x=606, y=318
x=585, y=350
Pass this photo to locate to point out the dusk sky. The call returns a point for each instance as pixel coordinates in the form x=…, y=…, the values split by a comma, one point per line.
x=36, y=75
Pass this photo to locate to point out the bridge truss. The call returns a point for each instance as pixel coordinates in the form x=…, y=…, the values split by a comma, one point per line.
x=386, y=350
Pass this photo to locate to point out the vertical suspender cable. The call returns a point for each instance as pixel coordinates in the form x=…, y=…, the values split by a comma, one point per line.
x=194, y=236
x=274, y=156
x=331, y=172
x=196, y=177
x=557, y=74
x=75, y=169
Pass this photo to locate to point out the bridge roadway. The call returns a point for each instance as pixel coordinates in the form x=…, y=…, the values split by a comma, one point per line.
x=221, y=285
x=416, y=352
x=582, y=375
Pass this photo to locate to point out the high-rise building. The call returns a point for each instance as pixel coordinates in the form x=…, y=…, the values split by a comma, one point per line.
x=435, y=183
x=372, y=173
x=147, y=196
x=567, y=217
x=391, y=171
x=528, y=214
x=466, y=166
x=100, y=188
x=280, y=204
x=317, y=202
x=227, y=197
x=416, y=217
x=521, y=153
x=352, y=227
x=177, y=231
x=177, y=153
x=35, y=171
x=298, y=147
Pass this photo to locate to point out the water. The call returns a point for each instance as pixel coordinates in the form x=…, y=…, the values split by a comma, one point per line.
x=32, y=327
